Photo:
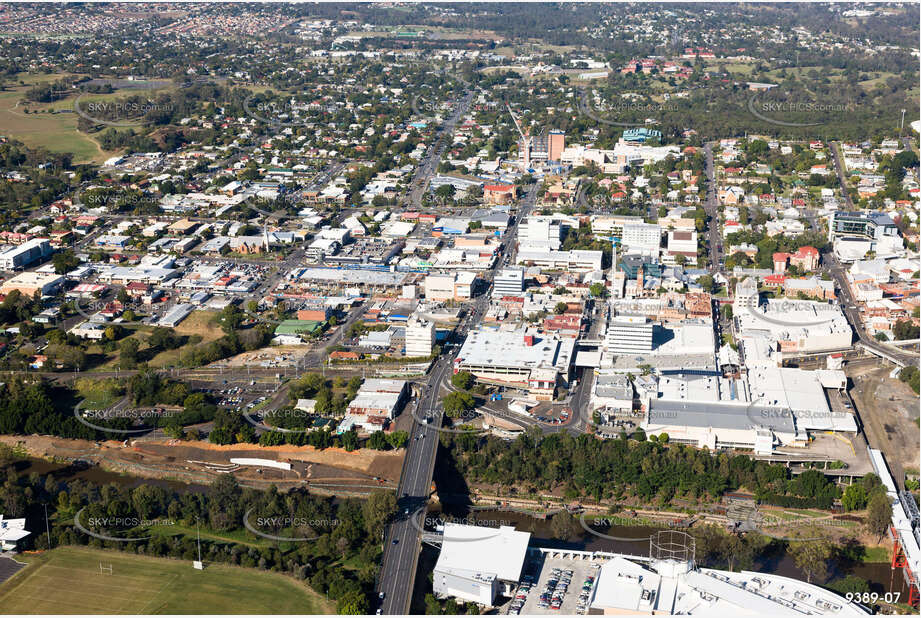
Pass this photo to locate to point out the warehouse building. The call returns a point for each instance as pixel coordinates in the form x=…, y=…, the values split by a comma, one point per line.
x=477, y=564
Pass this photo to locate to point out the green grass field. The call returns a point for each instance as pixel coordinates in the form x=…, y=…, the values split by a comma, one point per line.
x=68, y=580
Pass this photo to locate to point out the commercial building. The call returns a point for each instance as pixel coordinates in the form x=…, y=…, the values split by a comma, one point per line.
x=791, y=327
x=577, y=260
x=682, y=242
x=640, y=135
x=337, y=278
x=545, y=147
x=613, y=225
x=25, y=254
x=612, y=394
x=11, y=532
x=514, y=357
x=761, y=409
x=873, y=225
x=375, y=404
x=28, y=283
x=629, y=334
x=477, y=564
x=449, y=286
x=508, y=282
x=420, y=337
x=676, y=587
x=643, y=239
x=540, y=232
x=847, y=229
x=500, y=194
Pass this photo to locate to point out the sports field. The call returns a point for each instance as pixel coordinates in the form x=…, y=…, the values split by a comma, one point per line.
x=68, y=580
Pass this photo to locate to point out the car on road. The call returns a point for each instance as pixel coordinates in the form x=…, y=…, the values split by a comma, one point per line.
x=395, y=541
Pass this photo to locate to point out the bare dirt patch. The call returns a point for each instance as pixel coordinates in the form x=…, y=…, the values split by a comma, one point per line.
x=331, y=469
x=889, y=411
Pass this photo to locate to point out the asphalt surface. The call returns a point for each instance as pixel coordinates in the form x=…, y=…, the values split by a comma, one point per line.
x=838, y=272
x=711, y=206
x=402, y=541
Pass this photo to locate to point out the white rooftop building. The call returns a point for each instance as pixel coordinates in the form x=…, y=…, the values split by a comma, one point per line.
x=674, y=588
x=793, y=326
x=11, y=532
x=477, y=563
x=517, y=357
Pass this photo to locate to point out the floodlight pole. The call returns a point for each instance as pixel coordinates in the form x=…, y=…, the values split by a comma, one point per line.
x=47, y=528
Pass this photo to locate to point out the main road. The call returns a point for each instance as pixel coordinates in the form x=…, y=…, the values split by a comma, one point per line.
x=837, y=270
x=401, y=543
x=429, y=164
x=711, y=206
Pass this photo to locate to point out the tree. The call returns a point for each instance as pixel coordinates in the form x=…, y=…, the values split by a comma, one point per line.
x=707, y=283
x=128, y=353
x=378, y=441
x=850, y=583
x=445, y=192
x=113, y=332
x=597, y=289
x=560, y=308
x=854, y=498
x=458, y=404
x=879, y=514
x=230, y=318
x=881, y=336
x=726, y=310
x=563, y=525
x=353, y=602
x=904, y=329
x=463, y=380
x=65, y=261
x=910, y=375
x=432, y=606
x=377, y=511
x=811, y=557
x=397, y=439
x=349, y=440
x=163, y=339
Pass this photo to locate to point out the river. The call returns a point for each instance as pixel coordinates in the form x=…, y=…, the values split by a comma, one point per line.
x=882, y=578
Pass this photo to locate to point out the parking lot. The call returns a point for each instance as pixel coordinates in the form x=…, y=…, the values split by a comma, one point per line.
x=551, y=577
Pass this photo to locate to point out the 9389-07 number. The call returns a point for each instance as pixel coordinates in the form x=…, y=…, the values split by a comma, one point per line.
x=872, y=597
